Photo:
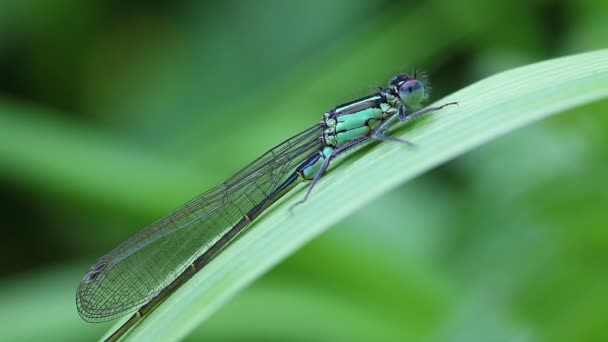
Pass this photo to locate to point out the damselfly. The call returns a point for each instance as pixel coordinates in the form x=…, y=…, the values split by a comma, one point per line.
x=145, y=269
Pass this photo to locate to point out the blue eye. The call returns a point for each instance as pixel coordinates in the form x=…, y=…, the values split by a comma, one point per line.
x=412, y=93
x=395, y=81
x=410, y=86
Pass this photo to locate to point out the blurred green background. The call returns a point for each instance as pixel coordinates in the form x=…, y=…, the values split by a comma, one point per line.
x=112, y=113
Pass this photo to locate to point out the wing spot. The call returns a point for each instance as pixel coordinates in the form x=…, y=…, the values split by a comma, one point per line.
x=94, y=271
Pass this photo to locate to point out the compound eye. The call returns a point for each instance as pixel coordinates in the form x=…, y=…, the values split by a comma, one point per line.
x=410, y=86
x=395, y=81
x=412, y=93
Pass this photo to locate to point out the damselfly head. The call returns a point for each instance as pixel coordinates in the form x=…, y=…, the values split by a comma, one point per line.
x=411, y=90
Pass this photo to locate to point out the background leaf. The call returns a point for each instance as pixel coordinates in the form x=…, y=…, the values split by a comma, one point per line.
x=114, y=113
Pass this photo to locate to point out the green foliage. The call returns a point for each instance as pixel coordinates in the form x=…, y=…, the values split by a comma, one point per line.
x=114, y=113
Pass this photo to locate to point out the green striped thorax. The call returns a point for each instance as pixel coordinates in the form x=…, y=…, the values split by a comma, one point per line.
x=358, y=118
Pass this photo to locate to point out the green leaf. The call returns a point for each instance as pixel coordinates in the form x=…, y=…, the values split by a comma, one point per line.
x=487, y=109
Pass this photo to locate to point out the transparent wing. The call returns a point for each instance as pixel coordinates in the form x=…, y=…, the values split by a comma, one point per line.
x=134, y=272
